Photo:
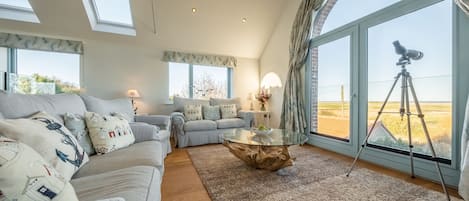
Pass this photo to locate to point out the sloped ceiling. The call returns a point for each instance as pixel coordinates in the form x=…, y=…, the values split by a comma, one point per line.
x=215, y=28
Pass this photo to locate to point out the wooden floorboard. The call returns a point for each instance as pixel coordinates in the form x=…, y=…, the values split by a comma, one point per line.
x=181, y=181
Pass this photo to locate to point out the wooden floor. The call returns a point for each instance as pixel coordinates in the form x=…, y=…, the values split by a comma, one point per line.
x=181, y=181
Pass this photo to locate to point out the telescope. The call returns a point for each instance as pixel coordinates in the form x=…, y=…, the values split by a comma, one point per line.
x=406, y=53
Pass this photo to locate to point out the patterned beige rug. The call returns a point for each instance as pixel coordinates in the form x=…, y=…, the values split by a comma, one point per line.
x=313, y=177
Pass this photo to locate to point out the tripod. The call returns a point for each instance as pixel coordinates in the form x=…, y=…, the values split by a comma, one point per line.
x=405, y=110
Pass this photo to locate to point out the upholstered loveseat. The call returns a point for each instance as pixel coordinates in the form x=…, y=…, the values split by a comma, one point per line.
x=133, y=173
x=200, y=132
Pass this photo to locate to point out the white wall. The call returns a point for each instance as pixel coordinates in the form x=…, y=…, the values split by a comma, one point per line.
x=275, y=57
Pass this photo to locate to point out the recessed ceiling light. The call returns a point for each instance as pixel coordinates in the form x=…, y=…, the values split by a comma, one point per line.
x=194, y=10
x=244, y=20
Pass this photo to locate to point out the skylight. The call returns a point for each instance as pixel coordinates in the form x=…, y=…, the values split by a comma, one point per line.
x=19, y=10
x=113, y=16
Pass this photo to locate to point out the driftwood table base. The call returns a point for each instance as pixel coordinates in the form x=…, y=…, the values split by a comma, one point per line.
x=262, y=157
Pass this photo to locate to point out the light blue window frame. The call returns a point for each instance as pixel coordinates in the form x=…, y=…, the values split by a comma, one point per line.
x=358, y=30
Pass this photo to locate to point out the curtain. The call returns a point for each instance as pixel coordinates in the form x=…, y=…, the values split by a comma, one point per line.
x=293, y=112
x=464, y=5
x=464, y=179
x=200, y=59
x=40, y=43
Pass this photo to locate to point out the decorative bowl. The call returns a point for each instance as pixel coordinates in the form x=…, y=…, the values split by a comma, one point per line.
x=262, y=132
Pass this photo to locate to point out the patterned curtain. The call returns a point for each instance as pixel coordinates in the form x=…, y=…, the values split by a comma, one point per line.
x=464, y=179
x=464, y=5
x=293, y=111
x=40, y=43
x=200, y=59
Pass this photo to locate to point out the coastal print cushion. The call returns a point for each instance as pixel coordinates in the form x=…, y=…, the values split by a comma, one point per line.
x=50, y=139
x=108, y=133
x=26, y=176
x=228, y=111
x=76, y=124
x=193, y=112
x=211, y=112
x=226, y=101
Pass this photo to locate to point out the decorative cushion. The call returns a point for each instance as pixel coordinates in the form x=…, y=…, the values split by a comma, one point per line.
x=25, y=175
x=109, y=107
x=179, y=103
x=200, y=125
x=226, y=101
x=193, y=112
x=76, y=124
x=50, y=139
x=211, y=112
x=108, y=133
x=228, y=111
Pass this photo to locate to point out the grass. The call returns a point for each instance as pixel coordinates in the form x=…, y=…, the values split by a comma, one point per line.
x=333, y=119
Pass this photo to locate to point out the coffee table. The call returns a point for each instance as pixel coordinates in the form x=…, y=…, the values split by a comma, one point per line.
x=263, y=151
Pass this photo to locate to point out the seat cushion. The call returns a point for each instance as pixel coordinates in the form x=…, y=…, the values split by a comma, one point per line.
x=148, y=153
x=140, y=183
x=200, y=125
x=230, y=123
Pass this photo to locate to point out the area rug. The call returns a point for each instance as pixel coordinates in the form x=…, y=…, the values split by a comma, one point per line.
x=313, y=177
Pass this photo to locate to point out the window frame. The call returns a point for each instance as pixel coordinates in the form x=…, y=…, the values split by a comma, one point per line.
x=191, y=79
x=424, y=168
x=18, y=13
x=107, y=26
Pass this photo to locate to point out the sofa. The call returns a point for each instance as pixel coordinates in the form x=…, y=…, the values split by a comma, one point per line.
x=200, y=132
x=133, y=173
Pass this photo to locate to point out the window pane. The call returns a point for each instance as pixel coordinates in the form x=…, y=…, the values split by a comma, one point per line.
x=42, y=72
x=17, y=3
x=178, y=80
x=210, y=82
x=427, y=30
x=345, y=11
x=117, y=11
x=3, y=59
x=333, y=102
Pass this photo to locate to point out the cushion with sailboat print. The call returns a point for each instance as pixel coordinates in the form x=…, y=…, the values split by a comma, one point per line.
x=50, y=139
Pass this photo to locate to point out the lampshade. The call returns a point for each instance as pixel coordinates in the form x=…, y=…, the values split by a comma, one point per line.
x=271, y=80
x=133, y=93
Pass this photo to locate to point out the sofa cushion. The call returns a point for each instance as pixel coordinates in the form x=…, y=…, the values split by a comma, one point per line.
x=145, y=132
x=228, y=111
x=211, y=112
x=226, y=101
x=108, y=133
x=230, y=123
x=140, y=183
x=1, y=116
x=148, y=153
x=50, y=139
x=180, y=102
x=25, y=175
x=193, y=112
x=14, y=106
x=200, y=125
x=76, y=124
x=110, y=107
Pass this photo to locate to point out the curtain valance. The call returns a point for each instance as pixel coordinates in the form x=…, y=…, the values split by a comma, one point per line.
x=200, y=59
x=40, y=43
x=464, y=5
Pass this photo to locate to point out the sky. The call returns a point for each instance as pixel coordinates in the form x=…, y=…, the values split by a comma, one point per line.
x=428, y=30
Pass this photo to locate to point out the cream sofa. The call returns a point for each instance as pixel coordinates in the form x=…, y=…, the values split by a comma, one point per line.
x=133, y=173
x=200, y=132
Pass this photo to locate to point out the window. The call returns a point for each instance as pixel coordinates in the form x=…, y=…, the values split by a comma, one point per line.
x=200, y=82
x=113, y=16
x=19, y=10
x=41, y=72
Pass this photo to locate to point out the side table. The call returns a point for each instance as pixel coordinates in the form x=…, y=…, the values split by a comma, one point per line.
x=255, y=118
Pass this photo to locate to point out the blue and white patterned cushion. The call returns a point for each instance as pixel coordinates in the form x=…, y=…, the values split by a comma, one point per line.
x=193, y=112
x=228, y=111
x=50, y=139
x=25, y=175
x=76, y=124
x=211, y=112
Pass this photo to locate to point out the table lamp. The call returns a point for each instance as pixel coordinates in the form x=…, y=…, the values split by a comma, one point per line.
x=133, y=94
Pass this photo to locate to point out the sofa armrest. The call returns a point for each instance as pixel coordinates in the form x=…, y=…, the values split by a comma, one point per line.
x=162, y=121
x=248, y=118
x=178, y=120
x=145, y=132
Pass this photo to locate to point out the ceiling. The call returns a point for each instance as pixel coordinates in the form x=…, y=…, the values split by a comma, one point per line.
x=216, y=27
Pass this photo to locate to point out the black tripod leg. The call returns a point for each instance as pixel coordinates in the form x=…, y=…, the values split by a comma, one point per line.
x=429, y=140
x=373, y=126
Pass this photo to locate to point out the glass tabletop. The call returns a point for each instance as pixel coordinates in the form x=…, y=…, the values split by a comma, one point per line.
x=278, y=137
